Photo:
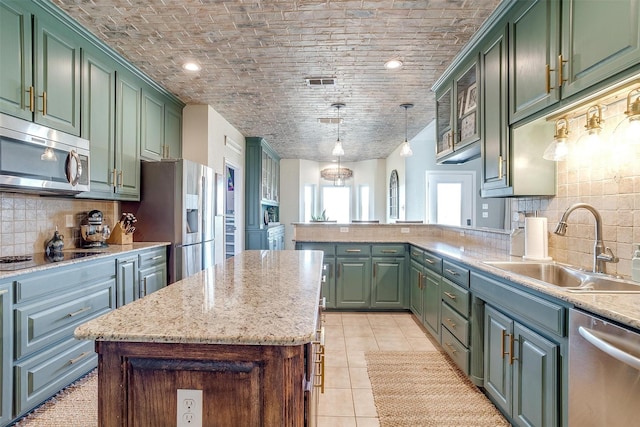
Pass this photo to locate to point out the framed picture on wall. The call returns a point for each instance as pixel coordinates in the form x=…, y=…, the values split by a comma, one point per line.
x=461, y=106
x=472, y=98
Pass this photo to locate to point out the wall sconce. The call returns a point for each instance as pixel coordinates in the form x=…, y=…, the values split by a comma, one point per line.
x=337, y=148
x=590, y=141
x=558, y=149
x=406, y=150
x=628, y=130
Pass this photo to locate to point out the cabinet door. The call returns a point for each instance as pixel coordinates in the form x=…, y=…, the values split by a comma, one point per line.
x=495, y=132
x=353, y=282
x=534, y=33
x=15, y=67
x=444, y=134
x=432, y=302
x=152, y=279
x=535, y=388
x=599, y=39
x=98, y=120
x=127, y=289
x=172, y=132
x=128, y=113
x=6, y=352
x=329, y=282
x=415, y=294
x=152, y=138
x=388, y=282
x=57, y=76
x=498, y=331
x=467, y=125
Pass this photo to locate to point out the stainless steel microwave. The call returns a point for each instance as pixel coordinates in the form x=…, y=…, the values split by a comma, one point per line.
x=38, y=159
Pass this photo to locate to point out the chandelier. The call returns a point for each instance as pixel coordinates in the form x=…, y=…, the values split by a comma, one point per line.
x=336, y=174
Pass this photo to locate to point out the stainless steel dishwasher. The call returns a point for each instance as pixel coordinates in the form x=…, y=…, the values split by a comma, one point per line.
x=604, y=372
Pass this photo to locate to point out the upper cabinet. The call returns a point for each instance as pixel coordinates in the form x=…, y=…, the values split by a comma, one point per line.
x=162, y=127
x=457, y=123
x=558, y=49
x=40, y=68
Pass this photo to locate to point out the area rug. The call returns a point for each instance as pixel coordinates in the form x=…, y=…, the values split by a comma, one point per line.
x=416, y=389
x=74, y=406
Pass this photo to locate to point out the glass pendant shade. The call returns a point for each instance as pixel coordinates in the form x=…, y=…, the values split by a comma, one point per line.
x=628, y=130
x=405, y=150
x=337, y=149
x=558, y=149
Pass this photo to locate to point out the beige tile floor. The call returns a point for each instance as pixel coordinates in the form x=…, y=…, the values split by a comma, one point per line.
x=348, y=400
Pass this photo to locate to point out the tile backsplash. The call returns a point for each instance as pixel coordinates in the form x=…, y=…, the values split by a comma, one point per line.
x=28, y=221
x=606, y=177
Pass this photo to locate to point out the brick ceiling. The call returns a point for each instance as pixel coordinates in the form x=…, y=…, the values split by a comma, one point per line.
x=255, y=56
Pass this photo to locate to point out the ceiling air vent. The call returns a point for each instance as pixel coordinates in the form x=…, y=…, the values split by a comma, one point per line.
x=330, y=120
x=320, y=81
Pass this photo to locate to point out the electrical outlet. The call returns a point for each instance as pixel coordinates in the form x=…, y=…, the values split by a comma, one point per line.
x=404, y=230
x=189, y=411
x=344, y=229
x=485, y=214
x=68, y=219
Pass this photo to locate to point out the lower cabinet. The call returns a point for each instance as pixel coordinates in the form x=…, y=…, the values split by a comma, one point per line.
x=152, y=273
x=353, y=282
x=329, y=282
x=416, y=293
x=455, y=323
x=432, y=302
x=127, y=281
x=388, y=282
x=6, y=349
x=521, y=371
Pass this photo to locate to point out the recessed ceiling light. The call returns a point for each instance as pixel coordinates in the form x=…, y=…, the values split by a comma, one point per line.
x=393, y=64
x=191, y=66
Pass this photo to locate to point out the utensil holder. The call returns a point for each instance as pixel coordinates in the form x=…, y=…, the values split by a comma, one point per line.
x=119, y=237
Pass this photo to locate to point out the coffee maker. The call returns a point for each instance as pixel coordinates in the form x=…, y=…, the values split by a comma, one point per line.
x=94, y=233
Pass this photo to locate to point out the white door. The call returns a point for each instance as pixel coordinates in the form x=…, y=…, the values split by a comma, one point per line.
x=451, y=198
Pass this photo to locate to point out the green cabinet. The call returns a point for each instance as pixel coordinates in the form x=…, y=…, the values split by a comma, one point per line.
x=521, y=371
x=126, y=172
x=127, y=280
x=6, y=350
x=388, y=282
x=40, y=68
x=262, y=181
x=457, y=122
x=152, y=271
x=328, y=269
x=432, y=302
x=353, y=282
x=152, y=137
x=172, y=148
x=416, y=293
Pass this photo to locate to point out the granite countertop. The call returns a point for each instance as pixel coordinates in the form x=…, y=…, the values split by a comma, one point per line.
x=623, y=308
x=254, y=298
x=100, y=253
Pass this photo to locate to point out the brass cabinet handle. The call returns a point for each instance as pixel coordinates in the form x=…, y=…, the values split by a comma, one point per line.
x=503, y=336
x=32, y=98
x=79, y=358
x=389, y=251
x=120, y=178
x=44, y=103
x=548, y=77
x=450, y=295
x=429, y=261
x=451, y=347
x=561, y=61
x=156, y=257
x=451, y=272
x=500, y=167
x=353, y=250
x=82, y=310
x=113, y=177
x=419, y=280
x=511, y=356
x=451, y=323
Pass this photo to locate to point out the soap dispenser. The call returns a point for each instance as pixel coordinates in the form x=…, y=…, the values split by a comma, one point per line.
x=635, y=263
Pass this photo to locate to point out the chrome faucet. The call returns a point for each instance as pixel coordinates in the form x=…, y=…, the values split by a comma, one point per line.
x=601, y=253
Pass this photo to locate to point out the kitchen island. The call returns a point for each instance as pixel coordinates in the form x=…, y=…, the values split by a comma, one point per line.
x=243, y=333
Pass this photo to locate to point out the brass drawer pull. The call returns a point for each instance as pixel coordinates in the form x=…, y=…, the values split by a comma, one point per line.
x=450, y=295
x=389, y=251
x=79, y=358
x=32, y=98
x=44, y=103
x=82, y=310
x=451, y=272
x=156, y=257
x=415, y=254
x=429, y=261
x=452, y=348
x=353, y=250
x=504, y=335
x=548, y=78
x=451, y=323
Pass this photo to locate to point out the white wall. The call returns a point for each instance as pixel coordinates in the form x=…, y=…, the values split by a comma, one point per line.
x=204, y=140
x=394, y=161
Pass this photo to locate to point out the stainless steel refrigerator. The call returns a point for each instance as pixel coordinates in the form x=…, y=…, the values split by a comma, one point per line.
x=177, y=205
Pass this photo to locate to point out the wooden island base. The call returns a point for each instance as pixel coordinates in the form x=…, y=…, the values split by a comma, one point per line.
x=242, y=385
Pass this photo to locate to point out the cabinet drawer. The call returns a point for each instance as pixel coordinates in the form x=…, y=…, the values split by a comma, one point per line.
x=433, y=262
x=46, y=322
x=388, y=250
x=38, y=284
x=40, y=377
x=455, y=350
x=537, y=311
x=152, y=257
x=455, y=273
x=456, y=324
x=356, y=249
x=417, y=254
x=456, y=297
x=328, y=248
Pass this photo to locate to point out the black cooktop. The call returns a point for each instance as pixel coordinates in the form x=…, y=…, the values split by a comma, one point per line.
x=20, y=262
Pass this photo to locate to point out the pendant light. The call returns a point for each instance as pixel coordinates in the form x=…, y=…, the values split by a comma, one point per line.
x=406, y=150
x=558, y=149
x=628, y=130
x=590, y=142
x=337, y=149
x=339, y=178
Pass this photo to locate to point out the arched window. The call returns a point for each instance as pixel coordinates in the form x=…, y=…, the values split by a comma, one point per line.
x=394, y=195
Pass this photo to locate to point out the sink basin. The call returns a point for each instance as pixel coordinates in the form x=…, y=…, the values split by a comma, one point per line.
x=569, y=278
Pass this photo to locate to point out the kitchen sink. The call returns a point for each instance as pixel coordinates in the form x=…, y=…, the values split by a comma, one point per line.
x=570, y=278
